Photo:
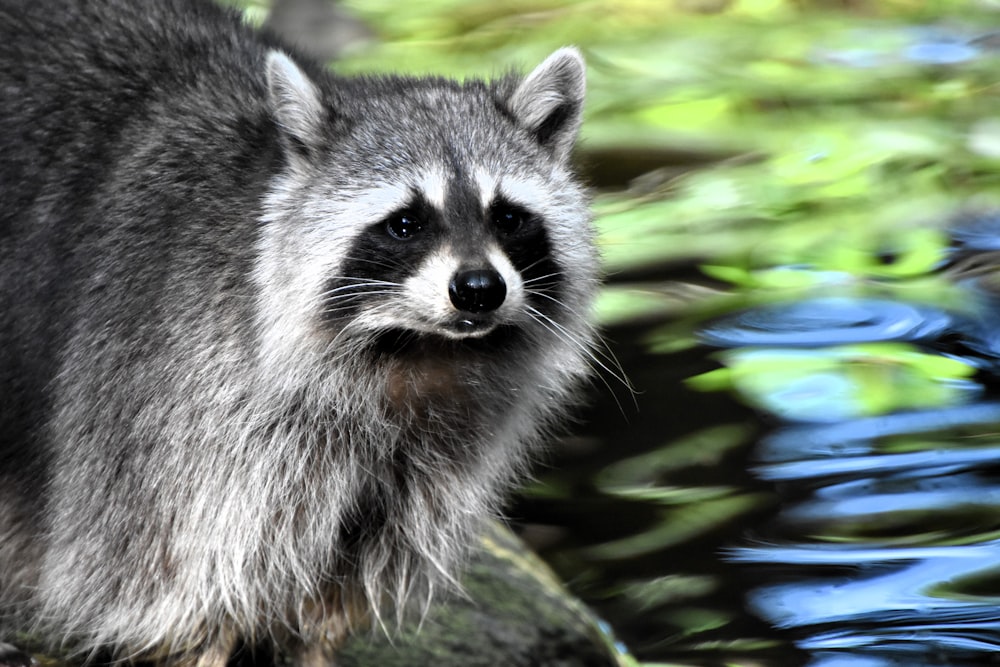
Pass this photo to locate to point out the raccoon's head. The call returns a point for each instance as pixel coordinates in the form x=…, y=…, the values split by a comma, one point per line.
x=425, y=212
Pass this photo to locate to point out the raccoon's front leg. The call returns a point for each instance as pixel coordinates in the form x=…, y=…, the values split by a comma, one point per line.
x=341, y=614
x=322, y=651
x=214, y=653
x=318, y=654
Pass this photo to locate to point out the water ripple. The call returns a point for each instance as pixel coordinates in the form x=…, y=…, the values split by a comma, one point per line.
x=827, y=321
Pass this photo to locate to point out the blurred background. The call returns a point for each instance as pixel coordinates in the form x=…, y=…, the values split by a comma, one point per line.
x=792, y=453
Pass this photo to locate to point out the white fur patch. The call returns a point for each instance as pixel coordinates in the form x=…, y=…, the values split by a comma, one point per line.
x=515, y=284
x=428, y=287
x=551, y=197
x=531, y=192
x=375, y=203
x=433, y=183
x=486, y=181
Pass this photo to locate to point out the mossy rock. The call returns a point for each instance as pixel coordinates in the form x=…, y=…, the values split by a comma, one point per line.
x=514, y=613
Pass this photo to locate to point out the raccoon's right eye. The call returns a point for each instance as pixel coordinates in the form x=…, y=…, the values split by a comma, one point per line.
x=404, y=225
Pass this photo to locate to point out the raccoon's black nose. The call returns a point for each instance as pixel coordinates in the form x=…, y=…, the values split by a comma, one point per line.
x=477, y=290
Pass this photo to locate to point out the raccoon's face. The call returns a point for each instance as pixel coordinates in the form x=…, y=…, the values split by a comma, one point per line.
x=455, y=258
x=435, y=268
x=433, y=211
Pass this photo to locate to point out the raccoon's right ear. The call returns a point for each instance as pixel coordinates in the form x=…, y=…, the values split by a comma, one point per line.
x=296, y=104
x=549, y=101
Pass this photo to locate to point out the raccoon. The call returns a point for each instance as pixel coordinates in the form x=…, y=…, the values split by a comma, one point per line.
x=274, y=341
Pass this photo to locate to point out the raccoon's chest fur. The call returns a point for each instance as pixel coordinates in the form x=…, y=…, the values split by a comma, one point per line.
x=274, y=341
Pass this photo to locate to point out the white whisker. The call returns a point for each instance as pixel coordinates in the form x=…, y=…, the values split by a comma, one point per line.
x=609, y=365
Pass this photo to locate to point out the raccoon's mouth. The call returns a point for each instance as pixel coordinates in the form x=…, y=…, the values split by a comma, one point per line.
x=406, y=342
x=468, y=327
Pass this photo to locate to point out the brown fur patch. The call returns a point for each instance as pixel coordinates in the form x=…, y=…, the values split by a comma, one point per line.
x=413, y=384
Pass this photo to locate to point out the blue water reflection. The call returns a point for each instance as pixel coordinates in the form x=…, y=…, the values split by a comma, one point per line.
x=828, y=321
x=886, y=550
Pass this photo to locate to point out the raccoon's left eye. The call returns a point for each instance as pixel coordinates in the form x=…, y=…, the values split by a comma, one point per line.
x=404, y=225
x=509, y=219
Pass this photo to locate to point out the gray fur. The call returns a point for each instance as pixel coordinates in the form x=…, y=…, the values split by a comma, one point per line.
x=209, y=433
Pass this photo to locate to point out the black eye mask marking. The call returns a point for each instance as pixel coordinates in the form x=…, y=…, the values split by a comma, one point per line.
x=382, y=258
x=393, y=249
x=524, y=239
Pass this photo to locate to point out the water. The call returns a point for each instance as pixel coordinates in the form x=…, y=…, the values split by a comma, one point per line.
x=885, y=548
x=825, y=492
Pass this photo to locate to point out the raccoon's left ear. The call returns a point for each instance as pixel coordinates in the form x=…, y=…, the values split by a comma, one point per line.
x=549, y=101
x=296, y=104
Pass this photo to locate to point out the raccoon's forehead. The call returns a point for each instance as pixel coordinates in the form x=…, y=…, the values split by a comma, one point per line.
x=418, y=124
x=444, y=144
